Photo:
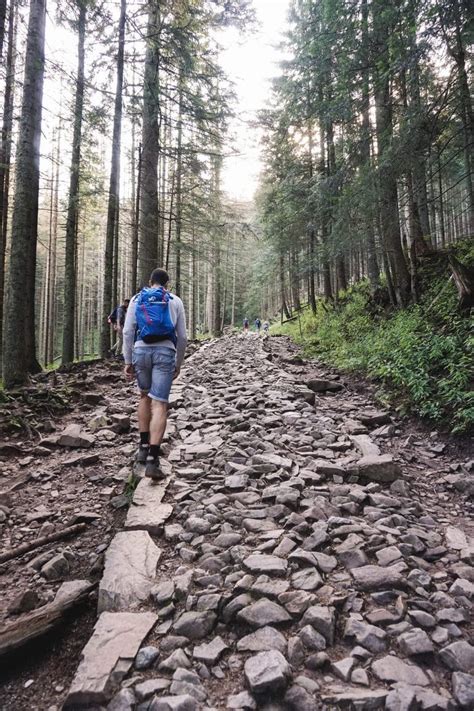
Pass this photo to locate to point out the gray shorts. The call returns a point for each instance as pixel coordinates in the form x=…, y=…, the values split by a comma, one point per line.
x=154, y=368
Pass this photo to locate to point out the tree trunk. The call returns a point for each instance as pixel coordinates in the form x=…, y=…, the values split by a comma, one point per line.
x=3, y=17
x=73, y=199
x=179, y=177
x=136, y=226
x=114, y=188
x=373, y=271
x=388, y=192
x=149, y=217
x=20, y=352
x=5, y=154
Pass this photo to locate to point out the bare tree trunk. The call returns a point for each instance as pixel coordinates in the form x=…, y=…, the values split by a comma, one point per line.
x=3, y=17
x=20, y=351
x=114, y=189
x=179, y=177
x=136, y=224
x=5, y=153
x=149, y=217
x=73, y=199
x=51, y=300
x=373, y=271
x=387, y=182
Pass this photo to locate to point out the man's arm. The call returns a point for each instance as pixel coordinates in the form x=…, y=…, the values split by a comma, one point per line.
x=129, y=332
x=181, y=336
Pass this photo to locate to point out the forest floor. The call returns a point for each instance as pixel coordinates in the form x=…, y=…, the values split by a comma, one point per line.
x=311, y=549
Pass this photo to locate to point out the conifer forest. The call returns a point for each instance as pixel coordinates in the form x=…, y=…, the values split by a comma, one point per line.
x=112, y=160
x=236, y=355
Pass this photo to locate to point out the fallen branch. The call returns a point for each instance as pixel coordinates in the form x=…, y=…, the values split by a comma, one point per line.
x=42, y=541
x=32, y=625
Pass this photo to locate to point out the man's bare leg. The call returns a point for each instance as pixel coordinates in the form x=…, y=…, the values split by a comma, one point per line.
x=144, y=413
x=159, y=416
x=144, y=418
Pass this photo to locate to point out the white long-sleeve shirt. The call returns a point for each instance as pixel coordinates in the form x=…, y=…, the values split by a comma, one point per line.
x=179, y=320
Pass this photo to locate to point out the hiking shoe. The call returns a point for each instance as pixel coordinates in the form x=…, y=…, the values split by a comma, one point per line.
x=152, y=468
x=142, y=454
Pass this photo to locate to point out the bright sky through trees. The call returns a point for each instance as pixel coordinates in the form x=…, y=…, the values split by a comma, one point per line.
x=251, y=63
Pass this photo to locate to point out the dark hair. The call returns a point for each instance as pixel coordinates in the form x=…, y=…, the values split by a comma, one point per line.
x=159, y=276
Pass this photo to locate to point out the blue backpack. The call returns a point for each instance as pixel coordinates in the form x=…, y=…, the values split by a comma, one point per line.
x=153, y=316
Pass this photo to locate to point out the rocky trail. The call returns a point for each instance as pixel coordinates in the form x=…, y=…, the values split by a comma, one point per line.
x=305, y=550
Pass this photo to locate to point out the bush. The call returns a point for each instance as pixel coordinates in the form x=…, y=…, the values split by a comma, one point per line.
x=423, y=355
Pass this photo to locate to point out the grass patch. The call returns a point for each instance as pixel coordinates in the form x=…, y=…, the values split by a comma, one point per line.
x=423, y=356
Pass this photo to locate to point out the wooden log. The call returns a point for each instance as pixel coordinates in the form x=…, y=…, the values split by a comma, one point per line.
x=42, y=541
x=36, y=623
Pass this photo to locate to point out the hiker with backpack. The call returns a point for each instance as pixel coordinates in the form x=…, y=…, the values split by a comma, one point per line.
x=246, y=324
x=154, y=345
x=257, y=323
x=117, y=320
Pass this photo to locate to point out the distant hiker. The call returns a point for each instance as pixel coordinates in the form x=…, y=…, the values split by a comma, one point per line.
x=117, y=319
x=257, y=323
x=266, y=328
x=156, y=322
x=246, y=324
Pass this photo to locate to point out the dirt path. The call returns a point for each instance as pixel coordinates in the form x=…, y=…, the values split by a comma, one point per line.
x=309, y=549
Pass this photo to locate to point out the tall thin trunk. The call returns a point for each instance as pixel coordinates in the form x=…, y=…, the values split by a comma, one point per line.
x=114, y=188
x=73, y=199
x=284, y=305
x=388, y=190
x=179, y=178
x=5, y=153
x=20, y=352
x=312, y=232
x=51, y=319
x=149, y=217
x=3, y=17
x=234, y=258
x=136, y=225
x=372, y=266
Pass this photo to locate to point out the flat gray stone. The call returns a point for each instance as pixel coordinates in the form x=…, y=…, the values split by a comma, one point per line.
x=393, y=669
x=183, y=702
x=307, y=579
x=343, y=668
x=74, y=436
x=368, y=636
x=147, y=512
x=242, y=702
x=265, y=564
x=108, y=656
x=377, y=468
x=267, y=672
x=123, y=701
x=322, y=619
x=375, y=577
x=463, y=689
x=456, y=538
x=458, y=656
x=195, y=625
x=264, y=612
x=148, y=688
x=209, y=653
x=186, y=681
x=415, y=641
x=402, y=698
x=355, y=698
x=262, y=640
x=129, y=571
